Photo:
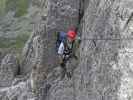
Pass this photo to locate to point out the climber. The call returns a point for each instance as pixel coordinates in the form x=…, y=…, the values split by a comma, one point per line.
x=66, y=46
x=69, y=43
x=65, y=43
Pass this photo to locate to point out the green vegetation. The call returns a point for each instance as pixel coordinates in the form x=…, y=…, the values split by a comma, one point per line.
x=2, y=6
x=20, y=6
x=14, y=45
x=17, y=43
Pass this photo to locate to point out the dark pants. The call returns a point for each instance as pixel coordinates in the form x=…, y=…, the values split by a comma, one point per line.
x=63, y=65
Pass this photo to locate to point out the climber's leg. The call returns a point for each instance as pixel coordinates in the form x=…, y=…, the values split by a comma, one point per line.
x=63, y=73
x=63, y=66
x=69, y=75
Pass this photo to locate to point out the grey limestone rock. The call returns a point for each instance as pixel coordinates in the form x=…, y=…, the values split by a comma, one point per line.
x=103, y=70
x=8, y=70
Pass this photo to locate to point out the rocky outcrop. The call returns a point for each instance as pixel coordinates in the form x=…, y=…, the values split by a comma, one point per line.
x=8, y=70
x=96, y=78
x=35, y=42
x=39, y=52
x=101, y=73
x=20, y=91
x=103, y=70
x=12, y=85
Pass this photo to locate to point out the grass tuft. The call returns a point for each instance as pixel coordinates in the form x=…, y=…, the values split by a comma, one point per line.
x=20, y=6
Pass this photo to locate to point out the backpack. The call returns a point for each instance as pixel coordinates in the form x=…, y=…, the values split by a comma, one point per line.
x=61, y=37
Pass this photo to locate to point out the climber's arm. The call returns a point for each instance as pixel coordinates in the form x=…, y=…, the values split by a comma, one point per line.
x=75, y=47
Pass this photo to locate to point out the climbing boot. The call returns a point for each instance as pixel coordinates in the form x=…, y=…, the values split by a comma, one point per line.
x=69, y=75
x=63, y=72
x=62, y=65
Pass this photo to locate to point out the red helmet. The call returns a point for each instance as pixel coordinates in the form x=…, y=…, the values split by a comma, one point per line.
x=71, y=34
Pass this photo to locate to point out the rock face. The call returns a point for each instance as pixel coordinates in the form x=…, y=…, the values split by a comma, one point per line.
x=41, y=74
x=98, y=75
x=8, y=70
x=21, y=91
x=101, y=73
x=103, y=70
